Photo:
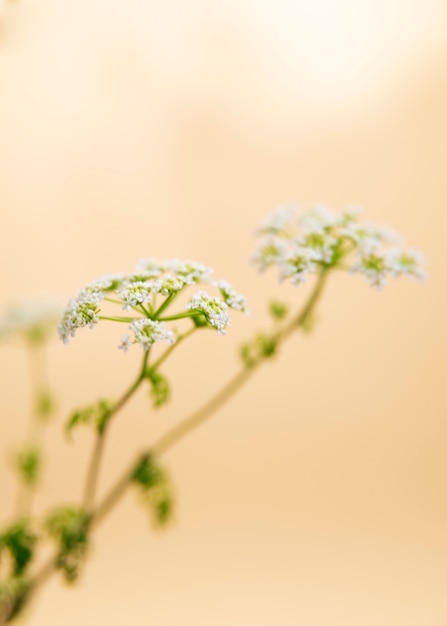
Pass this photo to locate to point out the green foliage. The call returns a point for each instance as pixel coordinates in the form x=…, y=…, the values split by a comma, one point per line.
x=160, y=388
x=29, y=465
x=95, y=415
x=263, y=346
x=19, y=541
x=155, y=489
x=278, y=310
x=13, y=594
x=45, y=404
x=68, y=526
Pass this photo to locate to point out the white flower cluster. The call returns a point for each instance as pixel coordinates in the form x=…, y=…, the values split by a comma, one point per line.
x=146, y=333
x=215, y=310
x=299, y=244
x=231, y=298
x=34, y=321
x=82, y=311
x=138, y=292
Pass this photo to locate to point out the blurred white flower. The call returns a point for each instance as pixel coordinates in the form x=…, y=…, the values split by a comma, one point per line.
x=231, y=297
x=319, y=239
x=34, y=321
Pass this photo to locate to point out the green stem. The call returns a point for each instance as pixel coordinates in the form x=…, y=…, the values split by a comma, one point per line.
x=117, y=319
x=113, y=301
x=178, y=432
x=38, y=375
x=98, y=450
x=171, y=348
x=180, y=316
x=164, y=305
x=145, y=311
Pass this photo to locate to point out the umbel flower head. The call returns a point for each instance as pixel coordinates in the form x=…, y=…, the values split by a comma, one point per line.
x=318, y=239
x=147, y=293
x=33, y=321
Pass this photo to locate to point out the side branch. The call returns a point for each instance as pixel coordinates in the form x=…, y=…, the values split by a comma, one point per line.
x=167, y=441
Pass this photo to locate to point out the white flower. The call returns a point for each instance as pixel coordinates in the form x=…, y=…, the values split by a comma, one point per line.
x=133, y=293
x=320, y=246
x=214, y=310
x=190, y=271
x=171, y=284
x=82, y=311
x=270, y=251
x=108, y=282
x=375, y=267
x=406, y=262
x=231, y=297
x=368, y=237
x=147, y=332
x=281, y=223
x=323, y=239
x=150, y=267
x=297, y=264
x=319, y=219
x=34, y=320
x=137, y=292
x=125, y=343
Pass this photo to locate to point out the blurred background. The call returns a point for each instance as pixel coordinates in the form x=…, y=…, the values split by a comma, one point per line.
x=318, y=495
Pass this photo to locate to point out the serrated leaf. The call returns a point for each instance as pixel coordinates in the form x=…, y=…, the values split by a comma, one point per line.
x=155, y=490
x=68, y=527
x=160, y=387
x=19, y=541
x=263, y=346
x=95, y=415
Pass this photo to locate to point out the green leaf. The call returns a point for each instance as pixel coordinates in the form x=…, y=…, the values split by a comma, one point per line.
x=278, y=310
x=155, y=490
x=45, y=404
x=147, y=473
x=95, y=415
x=262, y=347
x=29, y=465
x=160, y=387
x=68, y=527
x=19, y=541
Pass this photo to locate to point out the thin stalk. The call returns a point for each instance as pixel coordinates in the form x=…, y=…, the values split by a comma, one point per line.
x=164, y=305
x=171, y=348
x=38, y=376
x=107, y=299
x=145, y=311
x=201, y=415
x=179, y=316
x=117, y=319
x=91, y=481
x=178, y=432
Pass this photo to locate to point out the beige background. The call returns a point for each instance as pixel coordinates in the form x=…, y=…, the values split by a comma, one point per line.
x=318, y=496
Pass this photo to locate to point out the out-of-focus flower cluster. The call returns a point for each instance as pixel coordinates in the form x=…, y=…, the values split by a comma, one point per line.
x=147, y=293
x=303, y=243
x=33, y=322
